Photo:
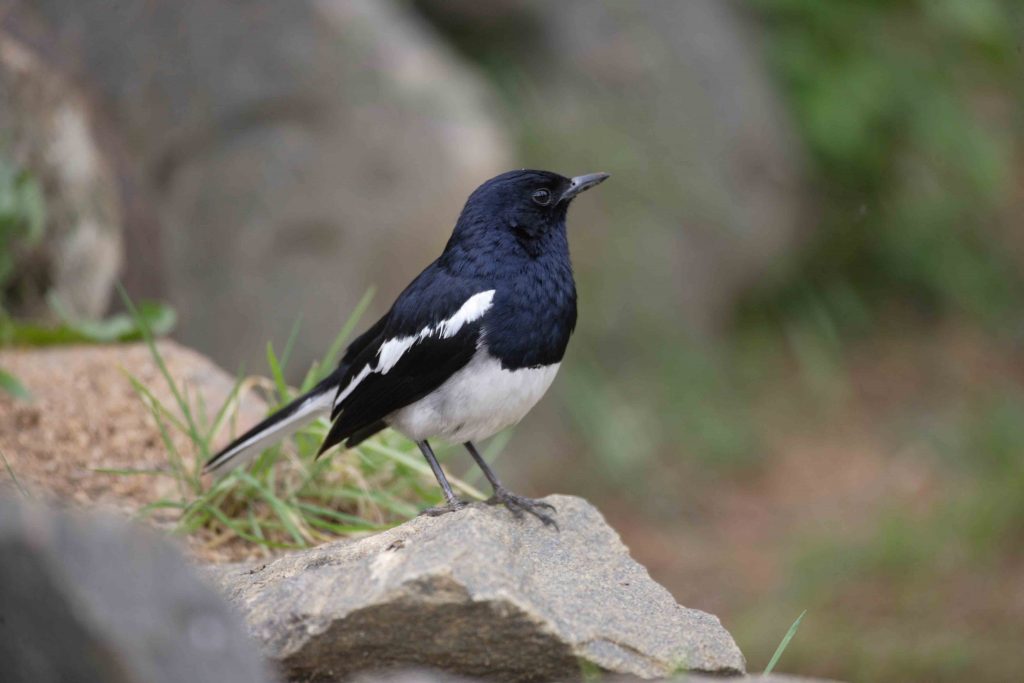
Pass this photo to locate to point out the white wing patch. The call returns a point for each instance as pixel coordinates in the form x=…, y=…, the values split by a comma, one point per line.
x=391, y=351
x=343, y=394
x=473, y=309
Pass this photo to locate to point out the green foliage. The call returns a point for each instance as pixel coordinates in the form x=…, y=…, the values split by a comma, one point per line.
x=22, y=222
x=908, y=110
x=122, y=327
x=22, y=215
x=287, y=498
x=12, y=385
x=879, y=594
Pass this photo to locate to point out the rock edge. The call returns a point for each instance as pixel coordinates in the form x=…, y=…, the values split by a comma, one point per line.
x=476, y=593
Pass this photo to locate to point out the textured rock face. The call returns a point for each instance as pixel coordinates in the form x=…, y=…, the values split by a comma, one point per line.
x=673, y=98
x=476, y=593
x=91, y=599
x=46, y=129
x=432, y=676
x=276, y=145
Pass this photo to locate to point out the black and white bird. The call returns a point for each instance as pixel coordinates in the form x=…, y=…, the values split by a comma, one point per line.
x=468, y=348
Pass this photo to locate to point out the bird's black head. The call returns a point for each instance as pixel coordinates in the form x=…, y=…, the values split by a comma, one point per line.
x=527, y=206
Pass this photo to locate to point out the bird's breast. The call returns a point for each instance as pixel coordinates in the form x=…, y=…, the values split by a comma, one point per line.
x=476, y=402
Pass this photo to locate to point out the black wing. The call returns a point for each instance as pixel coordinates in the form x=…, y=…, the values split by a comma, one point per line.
x=422, y=368
x=366, y=394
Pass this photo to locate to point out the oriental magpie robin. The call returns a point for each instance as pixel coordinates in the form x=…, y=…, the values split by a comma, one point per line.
x=468, y=348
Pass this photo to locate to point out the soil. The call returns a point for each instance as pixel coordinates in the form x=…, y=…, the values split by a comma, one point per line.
x=84, y=415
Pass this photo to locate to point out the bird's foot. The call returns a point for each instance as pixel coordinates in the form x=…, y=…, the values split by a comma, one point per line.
x=517, y=505
x=451, y=506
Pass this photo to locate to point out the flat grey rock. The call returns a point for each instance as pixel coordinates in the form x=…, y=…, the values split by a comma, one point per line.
x=476, y=593
x=431, y=676
x=91, y=598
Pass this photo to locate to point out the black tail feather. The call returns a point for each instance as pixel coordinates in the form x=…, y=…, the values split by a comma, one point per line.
x=300, y=409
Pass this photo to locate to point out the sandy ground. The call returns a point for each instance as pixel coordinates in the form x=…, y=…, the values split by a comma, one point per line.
x=84, y=416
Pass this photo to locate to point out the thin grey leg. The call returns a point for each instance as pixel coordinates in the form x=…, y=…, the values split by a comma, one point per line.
x=452, y=501
x=515, y=503
x=488, y=472
x=428, y=453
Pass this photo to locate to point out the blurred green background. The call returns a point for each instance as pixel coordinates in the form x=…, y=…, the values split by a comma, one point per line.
x=798, y=378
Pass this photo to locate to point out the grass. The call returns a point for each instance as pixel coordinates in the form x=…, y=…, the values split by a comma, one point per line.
x=945, y=555
x=14, y=478
x=784, y=644
x=285, y=498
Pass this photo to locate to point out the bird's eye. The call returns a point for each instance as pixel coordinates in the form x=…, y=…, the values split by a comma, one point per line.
x=542, y=197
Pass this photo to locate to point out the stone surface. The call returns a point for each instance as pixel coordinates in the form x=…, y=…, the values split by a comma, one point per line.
x=675, y=100
x=46, y=128
x=476, y=593
x=434, y=676
x=279, y=145
x=92, y=599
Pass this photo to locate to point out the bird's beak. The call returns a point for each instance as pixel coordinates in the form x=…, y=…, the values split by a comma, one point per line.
x=581, y=183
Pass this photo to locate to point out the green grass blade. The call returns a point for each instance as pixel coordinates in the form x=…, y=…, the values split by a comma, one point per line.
x=158, y=412
x=334, y=351
x=128, y=471
x=150, y=399
x=784, y=644
x=147, y=336
x=13, y=386
x=160, y=505
x=222, y=412
x=283, y=394
x=354, y=520
x=417, y=464
x=285, y=513
x=290, y=344
x=382, y=499
x=10, y=472
x=237, y=529
x=339, y=529
x=254, y=524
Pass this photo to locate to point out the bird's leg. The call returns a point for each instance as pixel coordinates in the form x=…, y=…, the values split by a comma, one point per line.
x=515, y=503
x=452, y=502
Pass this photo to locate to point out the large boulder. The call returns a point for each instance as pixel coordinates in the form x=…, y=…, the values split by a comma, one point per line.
x=46, y=130
x=433, y=676
x=291, y=154
x=675, y=100
x=476, y=593
x=92, y=599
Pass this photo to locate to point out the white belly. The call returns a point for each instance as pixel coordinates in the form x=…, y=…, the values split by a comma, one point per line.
x=478, y=401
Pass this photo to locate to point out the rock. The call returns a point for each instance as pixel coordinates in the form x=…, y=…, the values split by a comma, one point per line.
x=675, y=100
x=283, y=147
x=433, y=676
x=92, y=599
x=46, y=128
x=476, y=593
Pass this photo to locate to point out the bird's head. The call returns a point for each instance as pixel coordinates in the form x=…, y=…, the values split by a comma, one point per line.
x=526, y=205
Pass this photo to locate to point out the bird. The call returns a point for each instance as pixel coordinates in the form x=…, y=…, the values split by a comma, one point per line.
x=468, y=347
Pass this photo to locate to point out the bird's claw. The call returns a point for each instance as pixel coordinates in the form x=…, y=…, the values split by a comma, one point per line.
x=450, y=506
x=517, y=505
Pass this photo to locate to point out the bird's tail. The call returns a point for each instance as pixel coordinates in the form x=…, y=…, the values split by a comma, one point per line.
x=283, y=423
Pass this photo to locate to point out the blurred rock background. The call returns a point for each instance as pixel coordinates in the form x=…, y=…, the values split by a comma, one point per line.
x=798, y=379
